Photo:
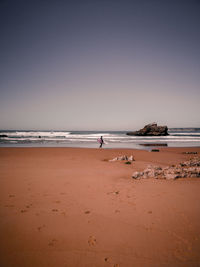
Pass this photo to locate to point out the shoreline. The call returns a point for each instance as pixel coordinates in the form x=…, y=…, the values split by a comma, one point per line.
x=144, y=149
x=72, y=207
x=138, y=147
x=178, y=137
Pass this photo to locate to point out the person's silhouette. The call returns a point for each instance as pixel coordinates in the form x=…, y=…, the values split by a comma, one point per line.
x=101, y=142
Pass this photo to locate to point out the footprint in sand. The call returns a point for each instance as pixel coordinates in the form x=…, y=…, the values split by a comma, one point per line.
x=22, y=211
x=41, y=227
x=113, y=192
x=27, y=207
x=117, y=211
x=107, y=260
x=9, y=206
x=92, y=241
x=55, y=210
x=52, y=242
x=87, y=212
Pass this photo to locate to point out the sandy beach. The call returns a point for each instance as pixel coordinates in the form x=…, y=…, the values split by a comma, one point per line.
x=72, y=207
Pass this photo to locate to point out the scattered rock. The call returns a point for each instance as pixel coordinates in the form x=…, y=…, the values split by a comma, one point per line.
x=151, y=130
x=155, y=150
x=124, y=157
x=137, y=175
x=127, y=162
x=169, y=176
x=190, y=168
x=192, y=162
x=131, y=158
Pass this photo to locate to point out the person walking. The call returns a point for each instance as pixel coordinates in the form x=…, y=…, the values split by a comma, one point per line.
x=101, y=141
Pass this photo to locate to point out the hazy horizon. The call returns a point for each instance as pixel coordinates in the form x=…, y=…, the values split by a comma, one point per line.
x=99, y=65
x=94, y=130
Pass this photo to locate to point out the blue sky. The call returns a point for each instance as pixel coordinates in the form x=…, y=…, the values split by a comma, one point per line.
x=95, y=65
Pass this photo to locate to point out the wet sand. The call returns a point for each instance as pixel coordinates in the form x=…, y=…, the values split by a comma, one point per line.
x=71, y=207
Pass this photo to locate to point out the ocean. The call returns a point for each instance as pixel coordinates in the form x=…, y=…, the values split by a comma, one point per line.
x=178, y=137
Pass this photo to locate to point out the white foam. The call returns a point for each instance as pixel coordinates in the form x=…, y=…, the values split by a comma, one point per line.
x=112, y=138
x=31, y=133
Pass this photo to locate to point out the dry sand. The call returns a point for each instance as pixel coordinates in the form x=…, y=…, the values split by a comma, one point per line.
x=71, y=207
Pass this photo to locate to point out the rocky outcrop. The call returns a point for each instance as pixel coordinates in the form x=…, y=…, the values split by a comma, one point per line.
x=124, y=157
x=151, y=130
x=186, y=169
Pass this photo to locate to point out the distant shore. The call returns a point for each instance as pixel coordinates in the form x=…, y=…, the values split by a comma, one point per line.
x=72, y=207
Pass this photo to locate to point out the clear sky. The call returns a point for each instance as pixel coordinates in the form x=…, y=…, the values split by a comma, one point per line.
x=99, y=65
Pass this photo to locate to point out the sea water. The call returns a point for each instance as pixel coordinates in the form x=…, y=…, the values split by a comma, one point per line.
x=178, y=137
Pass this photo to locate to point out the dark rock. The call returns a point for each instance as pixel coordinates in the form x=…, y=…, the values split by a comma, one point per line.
x=3, y=135
x=137, y=175
x=151, y=130
x=155, y=150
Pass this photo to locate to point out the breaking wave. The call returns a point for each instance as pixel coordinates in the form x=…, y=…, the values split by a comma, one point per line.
x=176, y=137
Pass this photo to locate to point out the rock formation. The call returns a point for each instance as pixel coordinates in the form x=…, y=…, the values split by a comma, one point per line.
x=186, y=169
x=151, y=130
x=124, y=157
